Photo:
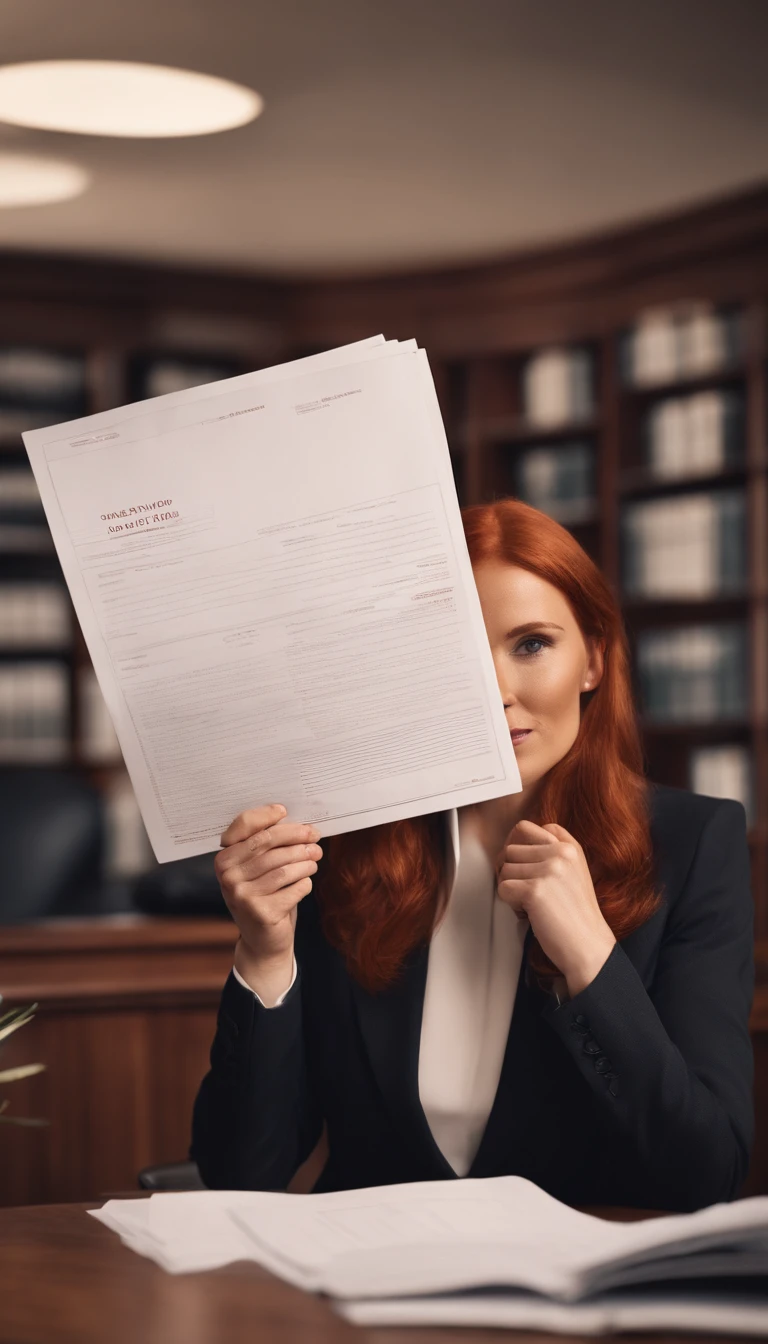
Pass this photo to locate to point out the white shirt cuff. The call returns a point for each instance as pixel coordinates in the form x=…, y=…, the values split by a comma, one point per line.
x=245, y=985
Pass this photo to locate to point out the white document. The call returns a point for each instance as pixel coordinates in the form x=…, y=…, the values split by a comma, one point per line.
x=706, y=1312
x=497, y=1251
x=272, y=580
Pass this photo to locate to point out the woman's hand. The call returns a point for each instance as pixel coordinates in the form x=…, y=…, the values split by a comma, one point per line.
x=544, y=876
x=264, y=870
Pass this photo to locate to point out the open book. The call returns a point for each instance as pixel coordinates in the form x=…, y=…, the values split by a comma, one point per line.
x=494, y=1251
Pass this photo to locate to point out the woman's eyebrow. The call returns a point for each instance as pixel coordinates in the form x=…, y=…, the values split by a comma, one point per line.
x=533, y=625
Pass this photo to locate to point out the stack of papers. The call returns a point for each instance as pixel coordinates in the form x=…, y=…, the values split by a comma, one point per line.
x=273, y=583
x=493, y=1252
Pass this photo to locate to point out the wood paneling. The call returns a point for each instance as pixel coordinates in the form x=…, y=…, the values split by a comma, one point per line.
x=126, y=1019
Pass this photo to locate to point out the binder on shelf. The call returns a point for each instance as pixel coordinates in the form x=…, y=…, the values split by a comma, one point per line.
x=98, y=740
x=128, y=851
x=34, y=538
x=39, y=387
x=31, y=376
x=690, y=546
x=724, y=771
x=557, y=387
x=34, y=615
x=560, y=481
x=701, y=434
x=683, y=341
x=157, y=375
x=697, y=674
x=19, y=495
x=34, y=712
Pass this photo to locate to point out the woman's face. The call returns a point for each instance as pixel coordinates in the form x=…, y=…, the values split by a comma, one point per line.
x=543, y=663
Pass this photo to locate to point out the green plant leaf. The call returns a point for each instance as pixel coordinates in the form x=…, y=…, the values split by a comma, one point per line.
x=23, y=1071
x=32, y=1122
x=12, y=1026
x=19, y=1012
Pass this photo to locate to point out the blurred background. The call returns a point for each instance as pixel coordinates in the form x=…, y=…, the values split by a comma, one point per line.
x=567, y=205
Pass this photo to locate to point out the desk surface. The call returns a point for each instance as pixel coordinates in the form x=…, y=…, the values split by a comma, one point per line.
x=67, y=1279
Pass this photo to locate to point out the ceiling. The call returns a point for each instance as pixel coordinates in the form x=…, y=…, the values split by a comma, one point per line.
x=403, y=133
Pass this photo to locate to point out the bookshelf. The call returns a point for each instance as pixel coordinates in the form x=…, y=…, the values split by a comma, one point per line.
x=619, y=383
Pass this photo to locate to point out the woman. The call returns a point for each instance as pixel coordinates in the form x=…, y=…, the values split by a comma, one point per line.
x=555, y=984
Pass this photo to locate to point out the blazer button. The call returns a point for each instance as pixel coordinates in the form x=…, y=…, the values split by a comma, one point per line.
x=591, y=1047
x=602, y=1063
x=582, y=1020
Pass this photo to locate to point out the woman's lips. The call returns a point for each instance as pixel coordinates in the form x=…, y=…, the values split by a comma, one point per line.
x=520, y=737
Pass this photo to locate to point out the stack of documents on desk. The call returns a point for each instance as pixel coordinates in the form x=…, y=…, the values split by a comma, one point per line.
x=491, y=1252
x=273, y=582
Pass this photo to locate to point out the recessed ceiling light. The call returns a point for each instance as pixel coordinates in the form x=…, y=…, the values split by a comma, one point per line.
x=29, y=180
x=122, y=98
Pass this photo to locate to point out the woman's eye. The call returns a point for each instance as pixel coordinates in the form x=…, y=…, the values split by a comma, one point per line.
x=534, y=639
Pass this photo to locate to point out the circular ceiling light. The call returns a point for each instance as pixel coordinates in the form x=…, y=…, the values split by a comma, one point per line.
x=29, y=180
x=122, y=98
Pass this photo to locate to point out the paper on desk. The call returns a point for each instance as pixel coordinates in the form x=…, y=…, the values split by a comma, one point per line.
x=459, y=1242
x=274, y=587
x=705, y=1312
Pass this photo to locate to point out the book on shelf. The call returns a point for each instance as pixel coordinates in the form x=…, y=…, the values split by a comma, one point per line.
x=25, y=537
x=557, y=387
x=697, y=674
x=44, y=377
x=128, y=850
x=98, y=740
x=38, y=388
x=35, y=615
x=159, y=375
x=700, y=434
x=723, y=771
x=19, y=495
x=681, y=341
x=34, y=711
x=685, y=546
x=558, y=480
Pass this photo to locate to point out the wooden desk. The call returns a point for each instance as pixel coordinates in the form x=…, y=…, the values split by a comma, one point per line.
x=125, y=1024
x=67, y=1279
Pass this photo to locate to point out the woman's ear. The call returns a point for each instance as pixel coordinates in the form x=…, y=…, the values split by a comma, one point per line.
x=595, y=664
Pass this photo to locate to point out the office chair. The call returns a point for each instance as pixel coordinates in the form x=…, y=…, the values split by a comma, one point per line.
x=185, y=1175
x=52, y=843
x=171, y=1176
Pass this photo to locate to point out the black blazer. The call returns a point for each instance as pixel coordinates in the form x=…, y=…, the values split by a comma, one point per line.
x=638, y=1091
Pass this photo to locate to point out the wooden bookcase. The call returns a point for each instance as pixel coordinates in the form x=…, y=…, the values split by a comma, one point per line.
x=479, y=325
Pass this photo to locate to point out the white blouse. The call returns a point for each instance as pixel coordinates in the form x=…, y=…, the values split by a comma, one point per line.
x=475, y=955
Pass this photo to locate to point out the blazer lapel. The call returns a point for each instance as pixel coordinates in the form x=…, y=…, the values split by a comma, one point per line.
x=390, y=1024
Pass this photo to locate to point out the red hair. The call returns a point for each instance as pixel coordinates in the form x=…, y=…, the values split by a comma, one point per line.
x=380, y=889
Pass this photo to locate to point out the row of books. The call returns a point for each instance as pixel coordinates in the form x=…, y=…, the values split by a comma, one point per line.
x=724, y=771
x=156, y=376
x=688, y=546
x=40, y=387
x=695, y=435
x=34, y=711
x=559, y=480
x=38, y=378
x=557, y=387
x=35, y=615
x=681, y=341
x=19, y=495
x=698, y=674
